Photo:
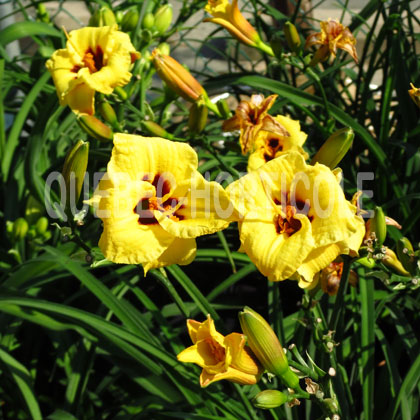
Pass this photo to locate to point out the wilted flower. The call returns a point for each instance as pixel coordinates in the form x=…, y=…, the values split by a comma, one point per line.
x=229, y=16
x=251, y=117
x=333, y=35
x=220, y=357
x=269, y=145
x=295, y=219
x=330, y=277
x=94, y=60
x=153, y=203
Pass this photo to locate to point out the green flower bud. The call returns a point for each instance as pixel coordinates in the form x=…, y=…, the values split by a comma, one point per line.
x=34, y=210
x=95, y=128
x=223, y=108
x=148, y=21
x=392, y=262
x=129, y=21
x=121, y=93
x=405, y=254
x=42, y=13
x=164, y=48
x=20, y=228
x=108, y=113
x=335, y=148
x=198, y=117
x=292, y=37
x=75, y=165
x=378, y=225
x=266, y=346
x=146, y=36
x=41, y=225
x=366, y=262
x=269, y=398
x=156, y=129
x=103, y=17
x=119, y=16
x=163, y=18
x=276, y=43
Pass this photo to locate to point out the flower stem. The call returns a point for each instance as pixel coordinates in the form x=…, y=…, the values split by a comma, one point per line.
x=317, y=80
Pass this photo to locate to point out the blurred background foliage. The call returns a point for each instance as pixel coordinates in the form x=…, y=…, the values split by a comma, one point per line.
x=81, y=338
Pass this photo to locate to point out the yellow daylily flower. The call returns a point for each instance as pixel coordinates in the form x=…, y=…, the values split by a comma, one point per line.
x=220, y=357
x=333, y=35
x=269, y=145
x=294, y=218
x=414, y=94
x=94, y=60
x=229, y=16
x=251, y=117
x=153, y=203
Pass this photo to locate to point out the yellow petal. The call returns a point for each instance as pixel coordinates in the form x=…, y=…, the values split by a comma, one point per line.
x=230, y=374
x=193, y=327
x=202, y=355
x=241, y=356
x=81, y=99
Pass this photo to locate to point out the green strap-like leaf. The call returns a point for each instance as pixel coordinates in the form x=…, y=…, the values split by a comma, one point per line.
x=22, y=29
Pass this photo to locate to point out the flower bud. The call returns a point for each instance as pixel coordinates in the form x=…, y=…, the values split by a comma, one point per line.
x=121, y=93
x=292, y=37
x=392, y=262
x=163, y=18
x=34, y=210
x=335, y=148
x=378, y=225
x=20, y=228
x=198, y=117
x=177, y=77
x=223, y=108
x=148, y=21
x=266, y=346
x=129, y=21
x=119, y=16
x=103, y=17
x=75, y=166
x=405, y=254
x=164, y=48
x=269, y=398
x=41, y=225
x=42, y=13
x=367, y=262
x=95, y=128
x=107, y=113
x=156, y=129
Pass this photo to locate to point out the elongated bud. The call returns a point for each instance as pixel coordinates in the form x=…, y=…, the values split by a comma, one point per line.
x=148, y=21
x=366, y=262
x=292, y=37
x=223, y=108
x=95, y=128
x=320, y=55
x=198, y=117
x=276, y=43
x=75, y=166
x=269, y=398
x=103, y=17
x=393, y=263
x=415, y=94
x=129, y=20
x=108, y=113
x=42, y=13
x=178, y=78
x=163, y=18
x=266, y=346
x=164, y=48
x=20, y=228
x=119, y=16
x=156, y=129
x=121, y=93
x=405, y=254
x=41, y=225
x=378, y=225
x=335, y=148
x=34, y=210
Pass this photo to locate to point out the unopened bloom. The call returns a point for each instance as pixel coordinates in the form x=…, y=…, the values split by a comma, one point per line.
x=153, y=203
x=220, y=357
x=229, y=16
x=94, y=60
x=269, y=145
x=333, y=35
x=177, y=77
x=251, y=117
x=294, y=218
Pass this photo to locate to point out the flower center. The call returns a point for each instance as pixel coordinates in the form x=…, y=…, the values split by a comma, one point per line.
x=216, y=349
x=94, y=61
x=273, y=146
x=147, y=205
